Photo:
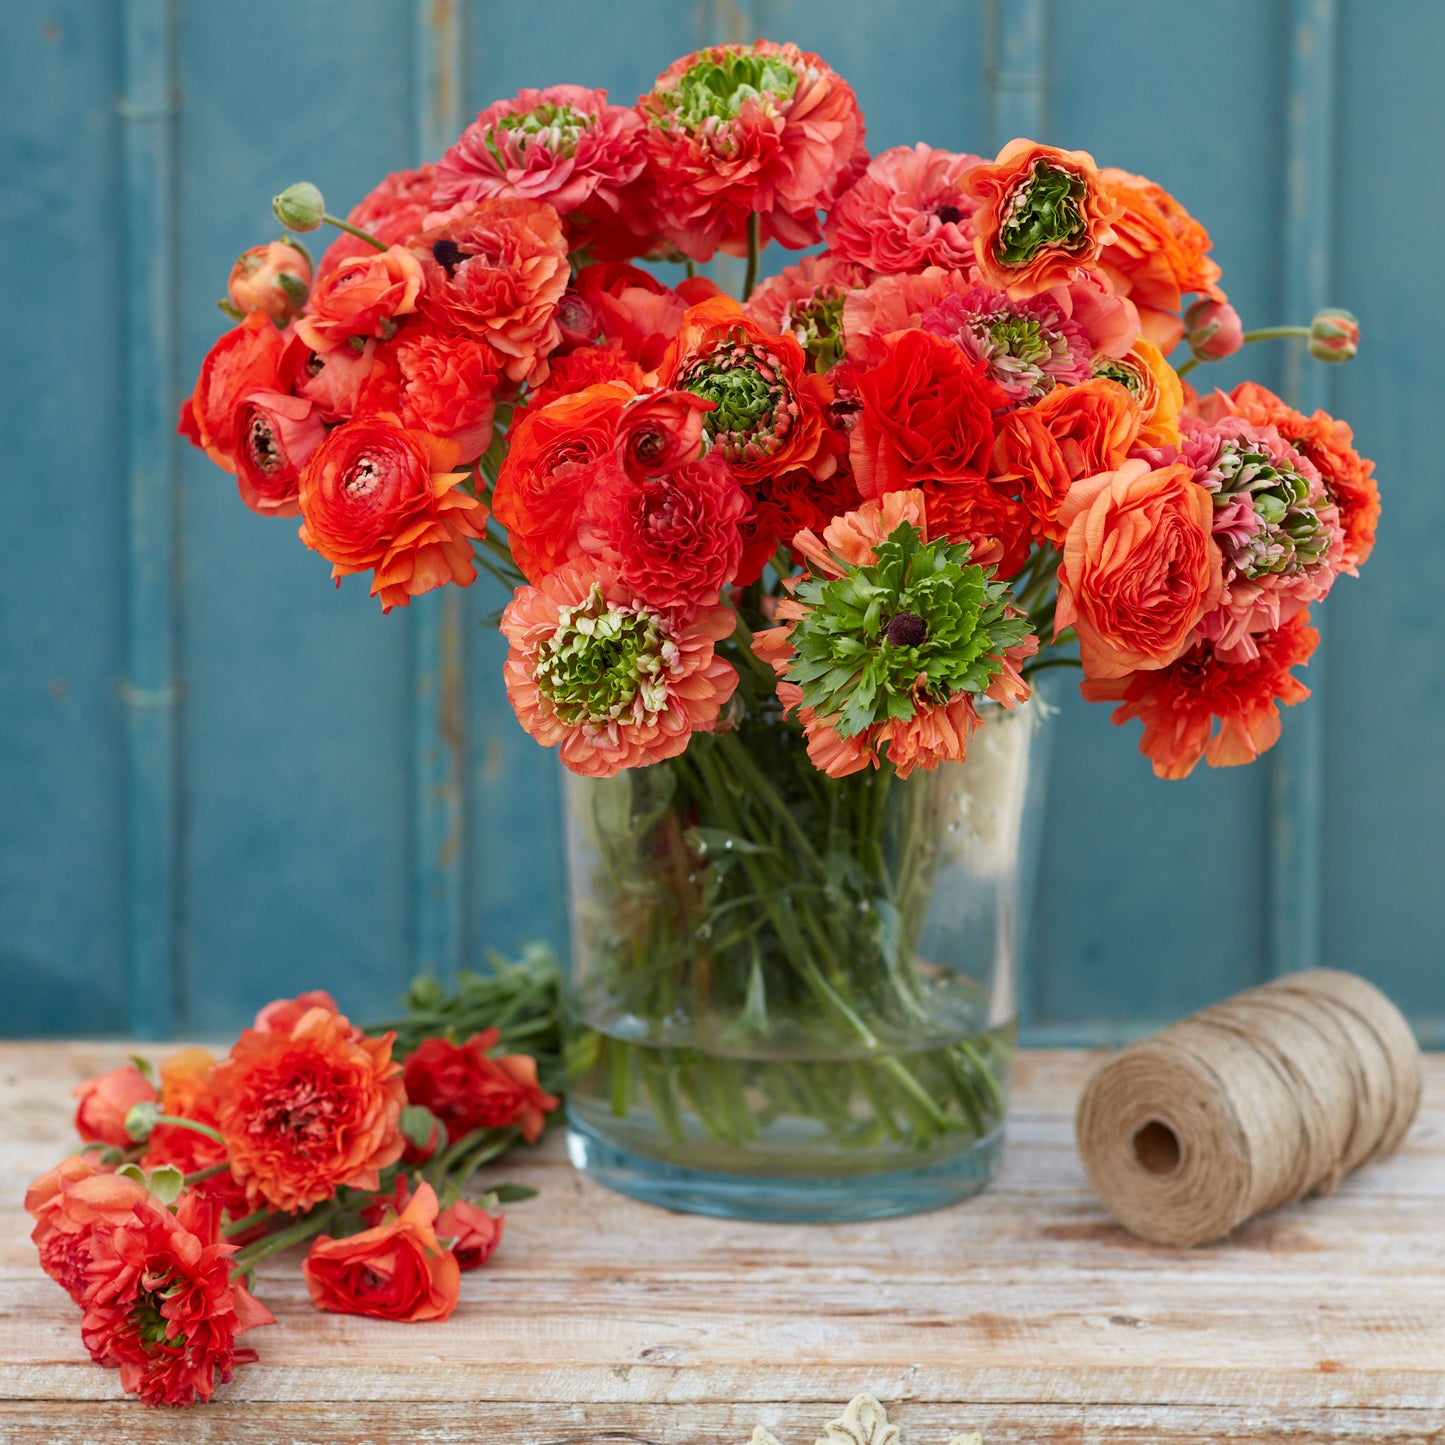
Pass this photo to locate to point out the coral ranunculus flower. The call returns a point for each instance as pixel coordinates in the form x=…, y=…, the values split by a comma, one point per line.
x=306, y=1112
x=1140, y=568
x=474, y=1232
x=275, y=433
x=1329, y=445
x=68, y=1204
x=281, y=1015
x=373, y=498
x=614, y=683
x=246, y=359
x=1179, y=704
x=1074, y=432
x=397, y=1270
x=740, y=130
x=564, y=145
x=552, y=457
x=188, y=1092
x=1158, y=255
x=806, y=302
x=1041, y=213
x=927, y=414
x=392, y=212
x=362, y=297
x=908, y=210
x=105, y=1101
x=273, y=278
x=160, y=1305
x=466, y=1088
x=496, y=269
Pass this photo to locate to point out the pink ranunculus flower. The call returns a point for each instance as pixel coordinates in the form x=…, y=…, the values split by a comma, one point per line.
x=564, y=145
x=1213, y=329
x=740, y=130
x=907, y=211
x=806, y=302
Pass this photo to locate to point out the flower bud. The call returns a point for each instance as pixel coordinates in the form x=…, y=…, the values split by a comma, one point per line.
x=141, y=1119
x=275, y=279
x=1334, y=335
x=1213, y=329
x=299, y=207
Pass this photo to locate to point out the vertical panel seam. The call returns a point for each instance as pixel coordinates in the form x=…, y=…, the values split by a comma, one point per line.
x=151, y=691
x=439, y=745
x=1296, y=891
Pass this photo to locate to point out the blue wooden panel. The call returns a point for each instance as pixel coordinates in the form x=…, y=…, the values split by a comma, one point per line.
x=1384, y=769
x=297, y=721
x=62, y=586
x=339, y=819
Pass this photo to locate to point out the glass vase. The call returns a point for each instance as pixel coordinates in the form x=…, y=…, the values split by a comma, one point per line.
x=792, y=996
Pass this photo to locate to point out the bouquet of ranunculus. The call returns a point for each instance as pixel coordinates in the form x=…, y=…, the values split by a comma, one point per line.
x=310, y=1129
x=783, y=551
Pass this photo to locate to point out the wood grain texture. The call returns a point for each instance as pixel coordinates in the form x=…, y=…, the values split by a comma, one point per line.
x=1025, y=1313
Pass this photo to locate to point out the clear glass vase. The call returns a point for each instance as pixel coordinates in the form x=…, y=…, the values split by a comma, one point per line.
x=792, y=996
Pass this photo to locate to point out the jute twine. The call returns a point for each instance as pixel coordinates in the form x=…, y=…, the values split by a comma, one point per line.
x=1247, y=1106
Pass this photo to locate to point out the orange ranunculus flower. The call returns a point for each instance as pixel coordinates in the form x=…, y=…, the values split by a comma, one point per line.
x=1158, y=255
x=496, y=269
x=1042, y=213
x=717, y=340
x=1179, y=704
x=1155, y=387
x=188, y=1092
x=377, y=496
x=362, y=297
x=551, y=461
x=927, y=412
x=105, y=1101
x=1329, y=444
x=1140, y=567
x=67, y=1203
x=394, y=1271
x=988, y=516
x=246, y=359
x=273, y=279
x=1074, y=432
x=305, y=1112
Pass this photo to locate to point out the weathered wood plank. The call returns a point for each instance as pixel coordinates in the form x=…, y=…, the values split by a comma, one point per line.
x=1025, y=1313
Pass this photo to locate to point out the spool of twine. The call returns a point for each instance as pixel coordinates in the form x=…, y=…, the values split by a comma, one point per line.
x=1263, y=1099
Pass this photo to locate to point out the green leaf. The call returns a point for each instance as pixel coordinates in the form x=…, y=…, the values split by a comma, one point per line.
x=166, y=1183
x=513, y=1193
x=420, y=1125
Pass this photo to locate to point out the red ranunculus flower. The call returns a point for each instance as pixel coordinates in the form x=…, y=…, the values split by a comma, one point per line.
x=68, y=1204
x=306, y=1111
x=927, y=414
x=105, y=1101
x=375, y=496
x=496, y=269
x=551, y=460
x=246, y=359
x=661, y=431
x=1179, y=704
x=159, y=1303
x=672, y=538
x=468, y=1089
x=585, y=367
x=474, y=1232
x=397, y=1270
x=985, y=514
x=275, y=435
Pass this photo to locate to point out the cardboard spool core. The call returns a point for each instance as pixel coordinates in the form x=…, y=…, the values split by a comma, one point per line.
x=1156, y=1147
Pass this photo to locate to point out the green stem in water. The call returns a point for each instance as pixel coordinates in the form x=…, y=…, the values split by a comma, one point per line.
x=750, y=276
x=354, y=231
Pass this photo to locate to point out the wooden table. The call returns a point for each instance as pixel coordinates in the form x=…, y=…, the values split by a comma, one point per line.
x=1025, y=1314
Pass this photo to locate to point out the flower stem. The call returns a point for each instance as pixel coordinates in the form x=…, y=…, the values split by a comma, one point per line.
x=750, y=276
x=1265, y=333
x=209, y=1172
x=240, y=1226
x=193, y=1124
x=247, y=1260
x=354, y=231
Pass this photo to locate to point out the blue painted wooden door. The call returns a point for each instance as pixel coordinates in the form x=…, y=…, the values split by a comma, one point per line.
x=222, y=780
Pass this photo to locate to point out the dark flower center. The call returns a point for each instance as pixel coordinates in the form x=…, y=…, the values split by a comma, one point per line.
x=448, y=255
x=261, y=442
x=907, y=629
x=949, y=215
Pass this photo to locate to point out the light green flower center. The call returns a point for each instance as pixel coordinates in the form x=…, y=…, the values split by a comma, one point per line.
x=1290, y=536
x=604, y=661
x=720, y=83
x=1046, y=209
x=153, y=1328
x=817, y=324
x=755, y=409
x=1129, y=377
x=557, y=128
